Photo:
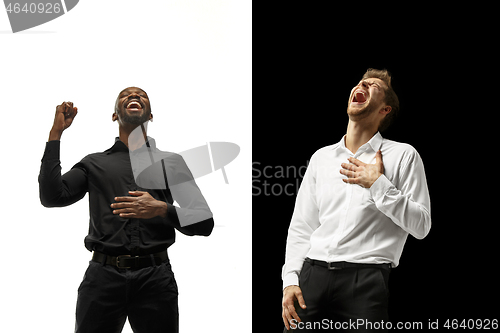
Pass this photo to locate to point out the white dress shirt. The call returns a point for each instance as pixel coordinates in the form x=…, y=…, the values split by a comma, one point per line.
x=336, y=221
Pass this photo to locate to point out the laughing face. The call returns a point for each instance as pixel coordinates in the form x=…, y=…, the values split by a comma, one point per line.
x=132, y=106
x=366, y=98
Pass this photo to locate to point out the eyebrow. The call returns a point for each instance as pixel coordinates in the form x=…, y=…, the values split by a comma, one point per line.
x=126, y=90
x=372, y=82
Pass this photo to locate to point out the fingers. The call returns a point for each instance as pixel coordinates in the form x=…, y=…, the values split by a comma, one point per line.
x=355, y=161
x=67, y=110
x=347, y=170
x=289, y=313
x=125, y=212
x=351, y=180
x=68, y=106
x=63, y=108
x=378, y=157
x=71, y=112
x=285, y=320
x=137, y=193
x=127, y=204
x=124, y=209
x=133, y=197
x=352, y=175
x=129, y=199
x=139, y=205
x=347, y=166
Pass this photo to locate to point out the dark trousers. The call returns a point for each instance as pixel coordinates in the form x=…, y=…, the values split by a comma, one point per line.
x=350, y=299
x=107, y=295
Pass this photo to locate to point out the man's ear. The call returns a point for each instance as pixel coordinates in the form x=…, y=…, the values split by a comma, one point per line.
x=114, y=117
x=387, y=109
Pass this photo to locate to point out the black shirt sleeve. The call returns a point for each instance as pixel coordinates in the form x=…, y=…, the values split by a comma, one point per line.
x=193, y=217
x=58, y=190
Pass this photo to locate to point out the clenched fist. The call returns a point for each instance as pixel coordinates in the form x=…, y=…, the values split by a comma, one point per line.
x=65, y=113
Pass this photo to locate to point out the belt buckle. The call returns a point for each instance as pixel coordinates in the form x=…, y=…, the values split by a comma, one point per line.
x=118, y=261
x=332, y=267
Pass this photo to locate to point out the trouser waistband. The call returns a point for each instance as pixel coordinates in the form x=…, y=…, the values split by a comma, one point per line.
x=345, y=264
x=128, y=261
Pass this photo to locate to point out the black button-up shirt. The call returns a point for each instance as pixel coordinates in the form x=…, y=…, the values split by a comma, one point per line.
x=110, y=174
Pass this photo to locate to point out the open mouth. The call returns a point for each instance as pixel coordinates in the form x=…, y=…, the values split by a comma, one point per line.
x=134, y=106
x=360, y=97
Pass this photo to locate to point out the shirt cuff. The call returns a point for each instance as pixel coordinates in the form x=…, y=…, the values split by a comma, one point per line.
x=52, y=150
x=172, y=217
x=291, y=279
x=380, y=187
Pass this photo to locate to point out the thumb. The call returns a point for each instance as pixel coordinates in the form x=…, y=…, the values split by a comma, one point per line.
x=301, y=301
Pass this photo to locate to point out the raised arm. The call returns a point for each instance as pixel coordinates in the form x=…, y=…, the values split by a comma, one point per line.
x=58, y=190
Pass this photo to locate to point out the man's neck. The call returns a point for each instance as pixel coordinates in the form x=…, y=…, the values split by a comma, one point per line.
x=124, y=135
x=358, y=134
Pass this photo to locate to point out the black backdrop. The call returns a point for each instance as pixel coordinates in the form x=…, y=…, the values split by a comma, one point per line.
x=303, y=76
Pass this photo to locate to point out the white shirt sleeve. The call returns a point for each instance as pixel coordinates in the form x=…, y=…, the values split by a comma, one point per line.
x=409, y=206
x=305, y=220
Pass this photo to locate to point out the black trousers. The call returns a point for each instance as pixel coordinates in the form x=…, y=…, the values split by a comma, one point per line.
x=108, y=295
x=349, y=299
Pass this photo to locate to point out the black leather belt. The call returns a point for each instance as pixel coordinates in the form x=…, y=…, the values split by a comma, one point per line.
x=128, y=261
x=345, y=264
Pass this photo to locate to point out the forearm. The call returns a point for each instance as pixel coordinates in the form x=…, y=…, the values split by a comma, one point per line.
x=203, y=222
x=55, y=135
x=54, y=189
x=297, y=246
x=304, y=221
x=410, y=212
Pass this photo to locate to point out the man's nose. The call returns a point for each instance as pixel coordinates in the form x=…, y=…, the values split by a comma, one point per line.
x=133, y=96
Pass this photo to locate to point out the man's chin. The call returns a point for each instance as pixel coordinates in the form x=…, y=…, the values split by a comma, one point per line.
x=135, y=120
x=357, y=113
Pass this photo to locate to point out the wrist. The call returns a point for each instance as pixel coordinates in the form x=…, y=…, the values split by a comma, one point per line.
x=292, y=285
x=54, y=135
x=163, y=210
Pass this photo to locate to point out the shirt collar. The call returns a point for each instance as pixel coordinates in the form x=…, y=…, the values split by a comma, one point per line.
x=119, y=146
x=375, y=142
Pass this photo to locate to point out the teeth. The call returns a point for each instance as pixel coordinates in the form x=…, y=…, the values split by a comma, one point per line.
x=356, y=98
x=133, y=103
x=360, y=91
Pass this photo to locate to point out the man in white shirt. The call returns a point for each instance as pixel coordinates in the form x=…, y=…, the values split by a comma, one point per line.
x=357, y=203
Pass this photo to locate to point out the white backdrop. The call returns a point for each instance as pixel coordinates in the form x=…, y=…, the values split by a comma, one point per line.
x=193, y=58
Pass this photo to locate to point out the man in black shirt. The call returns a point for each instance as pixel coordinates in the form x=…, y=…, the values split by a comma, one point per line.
x=132, y=219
